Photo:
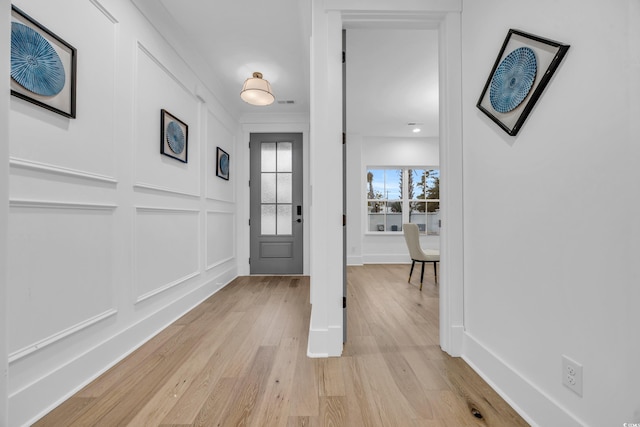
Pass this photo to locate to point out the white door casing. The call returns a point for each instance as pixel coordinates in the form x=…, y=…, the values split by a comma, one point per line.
x=329, y=18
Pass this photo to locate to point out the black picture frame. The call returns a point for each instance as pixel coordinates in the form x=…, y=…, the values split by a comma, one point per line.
x=174, y=137
x=50, y=88
x=519, y=53
x=222, y=163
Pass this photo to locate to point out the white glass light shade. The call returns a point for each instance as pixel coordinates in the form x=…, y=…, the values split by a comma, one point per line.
x=257, y=91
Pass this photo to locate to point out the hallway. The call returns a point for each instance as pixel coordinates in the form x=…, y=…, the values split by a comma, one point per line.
x=239, y=358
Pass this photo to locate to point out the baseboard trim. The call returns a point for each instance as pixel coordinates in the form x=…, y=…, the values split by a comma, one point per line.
x=533, y=404
x=316, y=346
x=354, y=260
x=325, y=342
x=386, y=259
x=453, y=345
x=35, y=400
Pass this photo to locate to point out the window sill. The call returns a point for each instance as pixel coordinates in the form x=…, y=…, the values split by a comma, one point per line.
x=382, y=233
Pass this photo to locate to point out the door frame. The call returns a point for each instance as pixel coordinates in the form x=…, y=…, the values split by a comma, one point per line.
x=329, y=18
x=293, y=124
x=259, y=242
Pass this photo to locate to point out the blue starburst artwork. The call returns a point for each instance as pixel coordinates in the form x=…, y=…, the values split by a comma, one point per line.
x=222, y=167
x=35, y=65
x=513, y=79
x=175, y=137
x=522, y=70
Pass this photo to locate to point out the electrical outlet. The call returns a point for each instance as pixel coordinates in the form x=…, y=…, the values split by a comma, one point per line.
x=572, y=375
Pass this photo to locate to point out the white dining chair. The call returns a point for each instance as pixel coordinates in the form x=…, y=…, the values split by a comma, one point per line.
x=417, y=254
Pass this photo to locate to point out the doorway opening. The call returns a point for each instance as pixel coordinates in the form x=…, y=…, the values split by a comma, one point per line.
x=393, y=144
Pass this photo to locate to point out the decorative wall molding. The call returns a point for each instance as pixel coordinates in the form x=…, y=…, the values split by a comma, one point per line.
x=213, y=199
x=104, y=11
x=220, y=212
x=166, y=210
x=144, y=186
x=15, y=162
x=143, y=49
x=217, y=263
x=90, y=364
x=174, y=283
x=168, y=286
x=16, y=355
x=225, y=259
x=46, y=204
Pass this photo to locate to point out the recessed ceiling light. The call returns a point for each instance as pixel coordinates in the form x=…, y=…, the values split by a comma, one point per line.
x=416, y=130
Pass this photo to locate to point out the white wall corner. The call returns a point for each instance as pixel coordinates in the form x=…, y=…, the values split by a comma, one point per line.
x=451, y=172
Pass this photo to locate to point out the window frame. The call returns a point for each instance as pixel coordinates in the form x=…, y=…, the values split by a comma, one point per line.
x=404, y=201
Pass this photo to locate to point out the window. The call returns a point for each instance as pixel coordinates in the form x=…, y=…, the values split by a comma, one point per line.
x=395, y=196
x=276, y=191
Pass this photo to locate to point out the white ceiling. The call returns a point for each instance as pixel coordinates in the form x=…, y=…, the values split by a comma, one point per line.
x=392, y=80
x=392, y=76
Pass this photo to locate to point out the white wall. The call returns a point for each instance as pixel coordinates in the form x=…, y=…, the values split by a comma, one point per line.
x=367, y=152
x=5, y=49
x=109, y=241
x=542, y=279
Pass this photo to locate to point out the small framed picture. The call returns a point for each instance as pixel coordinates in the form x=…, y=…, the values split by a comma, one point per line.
x=222, y=164
x=43, y=66
x=174, y=136
x=520, y=74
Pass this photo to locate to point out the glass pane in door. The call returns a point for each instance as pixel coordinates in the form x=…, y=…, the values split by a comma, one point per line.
x=276, y=188
x=285, y=159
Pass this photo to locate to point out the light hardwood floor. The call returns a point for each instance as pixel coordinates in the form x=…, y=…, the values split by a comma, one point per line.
x=239, y=359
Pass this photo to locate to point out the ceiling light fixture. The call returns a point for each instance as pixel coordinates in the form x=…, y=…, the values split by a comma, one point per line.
x=257, y=91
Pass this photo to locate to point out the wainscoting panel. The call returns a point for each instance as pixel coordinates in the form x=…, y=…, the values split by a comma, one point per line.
x=219, y=136
x=166, y=249
x=220, y=241
x=157, y=88
x=60, y=270
x=84, y=144
x=109, y=241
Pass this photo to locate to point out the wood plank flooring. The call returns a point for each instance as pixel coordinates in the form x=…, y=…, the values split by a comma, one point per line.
x=239, y=359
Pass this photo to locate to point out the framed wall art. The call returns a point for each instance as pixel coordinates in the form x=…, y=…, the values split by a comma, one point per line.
x=519, y=75
x=222, y=163
x=174, y=136
x=43, y=66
